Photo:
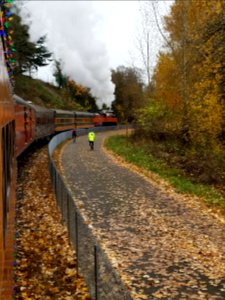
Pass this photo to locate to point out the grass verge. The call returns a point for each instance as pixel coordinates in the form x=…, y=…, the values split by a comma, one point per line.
x=141, y=158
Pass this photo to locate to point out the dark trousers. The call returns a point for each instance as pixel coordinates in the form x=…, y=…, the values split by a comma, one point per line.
x=91, y=144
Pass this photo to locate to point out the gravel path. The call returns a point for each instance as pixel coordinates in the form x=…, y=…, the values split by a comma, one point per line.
x=166, y=247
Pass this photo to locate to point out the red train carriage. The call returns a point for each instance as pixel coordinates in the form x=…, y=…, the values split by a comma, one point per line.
x=7, y=181
x=25, y=124
x=32, y=123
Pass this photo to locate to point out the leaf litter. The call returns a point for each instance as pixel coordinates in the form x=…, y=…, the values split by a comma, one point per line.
x=45, y=260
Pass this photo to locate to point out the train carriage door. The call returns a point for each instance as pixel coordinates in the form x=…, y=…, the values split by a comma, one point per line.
x=25, y=125
x=31, y=124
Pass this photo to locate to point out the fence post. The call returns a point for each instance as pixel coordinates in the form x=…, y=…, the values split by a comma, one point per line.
x=68, y=213
x=61, y=196
x=55, y=180
x=96, y=270
x=76, y=238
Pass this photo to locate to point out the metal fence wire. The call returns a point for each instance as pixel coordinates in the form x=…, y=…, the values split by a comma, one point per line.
x=103, y=281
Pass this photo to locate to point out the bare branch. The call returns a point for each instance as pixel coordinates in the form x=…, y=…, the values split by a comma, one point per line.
x=169, y=44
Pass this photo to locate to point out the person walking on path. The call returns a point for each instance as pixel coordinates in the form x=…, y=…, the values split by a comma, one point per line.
x=91, y=139
x=74, y=135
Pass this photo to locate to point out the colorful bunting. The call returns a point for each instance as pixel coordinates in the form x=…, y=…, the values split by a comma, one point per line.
x=5, y=35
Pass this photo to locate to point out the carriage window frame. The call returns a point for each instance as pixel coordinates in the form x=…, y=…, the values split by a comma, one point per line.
x=7, y=139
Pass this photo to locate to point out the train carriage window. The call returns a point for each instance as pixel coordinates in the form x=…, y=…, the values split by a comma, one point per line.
x=30, y=119
x=8, y=161
x=7, y=165
x=4, y=198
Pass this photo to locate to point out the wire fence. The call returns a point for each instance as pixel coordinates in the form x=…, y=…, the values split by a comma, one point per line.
x=102, y=279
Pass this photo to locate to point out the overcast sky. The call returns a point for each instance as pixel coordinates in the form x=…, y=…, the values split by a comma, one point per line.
x=92, y=37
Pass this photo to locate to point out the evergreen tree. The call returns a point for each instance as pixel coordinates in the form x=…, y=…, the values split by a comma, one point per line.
x=41, y=57
x=60, y=78
x=29, y=56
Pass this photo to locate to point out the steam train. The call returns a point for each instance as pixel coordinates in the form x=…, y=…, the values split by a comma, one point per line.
x=21, y=123
x=33, y=122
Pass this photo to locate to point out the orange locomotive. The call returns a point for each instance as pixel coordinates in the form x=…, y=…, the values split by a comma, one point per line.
x=105, y=119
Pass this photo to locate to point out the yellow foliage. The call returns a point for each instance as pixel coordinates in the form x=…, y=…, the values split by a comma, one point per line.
x=167, y=80
x=189, y=79
x=76, y=89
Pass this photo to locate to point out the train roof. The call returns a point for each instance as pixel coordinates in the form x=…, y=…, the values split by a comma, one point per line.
x=83, y=114
x=41, y=108
x=35, y=107
x=21, y=101
x=60, y=111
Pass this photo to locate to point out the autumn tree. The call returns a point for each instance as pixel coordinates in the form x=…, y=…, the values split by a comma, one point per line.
x=189, y=73
x=128, y=92
x=82, y=95
x=208, y=77
x=189, y=80
x=197, y=30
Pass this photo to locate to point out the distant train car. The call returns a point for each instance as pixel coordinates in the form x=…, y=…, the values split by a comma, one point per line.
x=105, y=119
x=63, y=120
x=67, y=120
x=83, y=119
x=7, y=180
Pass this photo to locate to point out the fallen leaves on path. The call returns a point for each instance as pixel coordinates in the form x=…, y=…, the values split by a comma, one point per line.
x=163, y=245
